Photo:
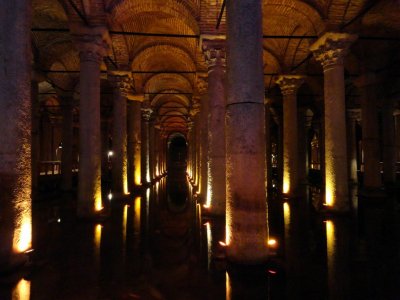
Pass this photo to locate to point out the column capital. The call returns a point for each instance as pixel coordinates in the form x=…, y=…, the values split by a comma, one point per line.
x=214, y=49
x=190, y=124
x=396, y=113
x=332, y=47
x=289, y=84
x=201, y=85
x=146, y=113
x=354, y=114
x=122, y=81
x=92, y=43
x=195, y=109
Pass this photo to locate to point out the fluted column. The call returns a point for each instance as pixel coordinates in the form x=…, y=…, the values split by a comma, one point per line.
x=134, y=141
x=122, y=84
x=93, y=46
x=330, y=50
x=352, y=116
x=246, y=205
x=215, y=58
x=146, y=114
x=67, y=140
x=289, y=85
x=15, y=128
x=202, y=91
x=389, y=144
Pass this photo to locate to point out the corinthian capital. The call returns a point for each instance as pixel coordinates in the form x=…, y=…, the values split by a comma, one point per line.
x=214, y=51
x=122, y=81
x=202, y=85
x=289, y=84
x=332, y=47
x=92, y=43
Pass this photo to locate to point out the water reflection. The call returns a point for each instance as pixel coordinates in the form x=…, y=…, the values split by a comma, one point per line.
x=22, y=290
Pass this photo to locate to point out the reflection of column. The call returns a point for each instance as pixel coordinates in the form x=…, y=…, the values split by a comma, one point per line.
x=352, y=116
x=134, y=141
x=122, y=84
x=330, y=50
x=67, y=141
x=146, y=114
x=389, y=146
x=202, y=90
x=92, y=48
x=289, y=85
x=370, y=131
x=15, y=128
x=215, y=57
x=246, y=211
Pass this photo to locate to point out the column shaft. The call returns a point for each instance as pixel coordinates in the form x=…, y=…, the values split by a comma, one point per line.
x=67, y=144
x=134, y=144
x=389, y=146
x=246, y=211
x=35, y=134
x=15, y=128
x=352, y=145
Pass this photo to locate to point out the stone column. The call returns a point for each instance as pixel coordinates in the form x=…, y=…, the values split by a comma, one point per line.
x=134, y=141
x=67, y=140
x=146, y=114
x=15, y=128
x=289, y=85
x=352, y=116
x=194, y=113
x=122, y=84
x=370, y=132
x=93, y=46
x=330, y=50
x=246, y=205
x=389, y=144
x=151, y=149
x=202, y=91
x=216, y=194
x=191, y=143
x=396, y=115
x=35, y=135
x=268, y=146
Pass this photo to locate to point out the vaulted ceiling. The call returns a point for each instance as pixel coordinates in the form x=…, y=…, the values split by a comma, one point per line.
x=158, y=40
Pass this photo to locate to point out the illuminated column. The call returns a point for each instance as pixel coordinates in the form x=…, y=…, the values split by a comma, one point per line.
x=134, y=141
x=151, y=149
x=389, y=144
x=194, y=113
x=67, y=140
x=215, y=58
x=246, y=205
x=92, y=46
x=15, y=127
x=122, y=84
x=367, y=85
x=289, y=85
x=157, y=169
x=146, y=114
x=352, y=116
x=190, y=139
x=330, y=50
x=35, y=134
x=202, y=91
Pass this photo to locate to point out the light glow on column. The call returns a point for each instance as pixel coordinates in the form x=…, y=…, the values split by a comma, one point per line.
x=22, y=240
x=22, y=290
x=329, y=190
x=97, y=242
x=209, y=243
x=228, y=286
x=98, y=204
x=286, y=183
x=137, y=209
x=209, y=188
x=138, y=170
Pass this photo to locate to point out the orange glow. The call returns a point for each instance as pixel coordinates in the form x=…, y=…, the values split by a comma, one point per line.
x=98, y=204
x=222, y=243
x=137, y=175
x=328, y=193
x=209, y=243
x=272, y=243
x=97, y=242
x=228, y=286
x=22, y=290
x=124, y=223
x=286, y=184
x=330, y=246
x=137, y=208
x=23, y=233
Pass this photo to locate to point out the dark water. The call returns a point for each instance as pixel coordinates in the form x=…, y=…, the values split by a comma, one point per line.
x=157, y=246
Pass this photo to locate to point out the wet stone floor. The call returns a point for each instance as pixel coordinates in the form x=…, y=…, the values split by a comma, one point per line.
x=157, y=246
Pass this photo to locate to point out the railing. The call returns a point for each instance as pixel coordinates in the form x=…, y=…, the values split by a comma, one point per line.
x=53, y=167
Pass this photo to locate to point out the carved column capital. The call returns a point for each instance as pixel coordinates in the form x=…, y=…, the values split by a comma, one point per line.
x=123, y=82
x=202, y=85
x=214, y=49
x=332, y=47
x=146, y=113
x=92, y=43
x=354, y=114
x=289, y=84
